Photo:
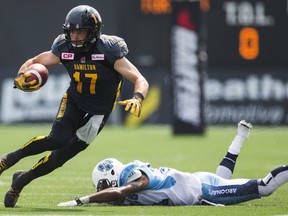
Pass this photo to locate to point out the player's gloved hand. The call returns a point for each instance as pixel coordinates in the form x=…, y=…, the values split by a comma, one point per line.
x=76, y=202
x=134, y=104
x=20, y=83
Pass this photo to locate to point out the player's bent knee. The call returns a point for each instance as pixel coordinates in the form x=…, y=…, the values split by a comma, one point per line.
x=57, y=142
x=75, y=146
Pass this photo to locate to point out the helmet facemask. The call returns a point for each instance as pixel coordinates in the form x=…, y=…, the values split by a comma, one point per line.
x=78, y=45
x=105, y=183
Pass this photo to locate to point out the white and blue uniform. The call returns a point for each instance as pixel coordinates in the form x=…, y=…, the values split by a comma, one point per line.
x=171, y=187
x=166, y=186
x=217, y=190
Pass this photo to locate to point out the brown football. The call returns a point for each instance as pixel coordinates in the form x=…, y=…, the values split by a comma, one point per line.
x=39, y=73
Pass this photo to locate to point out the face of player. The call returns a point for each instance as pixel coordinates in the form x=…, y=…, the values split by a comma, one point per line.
x=78, y=37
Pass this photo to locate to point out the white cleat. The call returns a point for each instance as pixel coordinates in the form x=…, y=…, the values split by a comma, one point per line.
x=243, y=129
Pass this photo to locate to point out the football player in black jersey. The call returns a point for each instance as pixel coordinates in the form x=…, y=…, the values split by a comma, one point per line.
x=96, y=64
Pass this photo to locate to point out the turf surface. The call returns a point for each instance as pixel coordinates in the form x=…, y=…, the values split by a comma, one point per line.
x=265, y=149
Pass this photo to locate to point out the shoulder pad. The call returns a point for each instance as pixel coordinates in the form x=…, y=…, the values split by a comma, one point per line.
x=113, y=47
x=58, y=42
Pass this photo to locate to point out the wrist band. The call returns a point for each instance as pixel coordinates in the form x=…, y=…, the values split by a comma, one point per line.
x=138, y=95
x=78, y=201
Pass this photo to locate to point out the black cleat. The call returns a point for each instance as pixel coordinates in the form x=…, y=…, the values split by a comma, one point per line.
x=13, y=194
x=11, y=198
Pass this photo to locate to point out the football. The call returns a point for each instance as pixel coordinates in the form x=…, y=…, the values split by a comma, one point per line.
x=39, y=73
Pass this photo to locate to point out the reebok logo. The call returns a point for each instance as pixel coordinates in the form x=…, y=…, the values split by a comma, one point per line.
x=97, y=57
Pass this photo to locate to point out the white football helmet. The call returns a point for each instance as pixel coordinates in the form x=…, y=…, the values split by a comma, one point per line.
x=106, y=173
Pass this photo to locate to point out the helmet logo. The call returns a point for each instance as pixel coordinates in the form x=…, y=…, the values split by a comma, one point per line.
x=105, y=166
x=94, y=17
x=77, y=26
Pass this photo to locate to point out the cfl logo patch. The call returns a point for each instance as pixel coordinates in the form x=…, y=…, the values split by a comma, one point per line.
x=67, y=56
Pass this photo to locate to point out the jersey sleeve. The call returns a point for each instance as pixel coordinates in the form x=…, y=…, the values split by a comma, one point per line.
x=59, y=41
x=113, y=47
x=130, y=173
x=134, y=175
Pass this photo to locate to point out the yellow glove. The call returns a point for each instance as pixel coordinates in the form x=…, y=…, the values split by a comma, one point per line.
x=134, y=104
x=20, y=83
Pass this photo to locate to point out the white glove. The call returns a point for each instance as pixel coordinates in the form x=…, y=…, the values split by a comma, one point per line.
x=76, y=202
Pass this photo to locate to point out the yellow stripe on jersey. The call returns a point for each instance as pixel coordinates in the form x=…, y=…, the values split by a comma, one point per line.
x=32, y=140
x=117, y=94
x=62, y=108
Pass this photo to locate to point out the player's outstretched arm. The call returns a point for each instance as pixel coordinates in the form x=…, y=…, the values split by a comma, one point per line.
x=46, y=58
x=109, y=194
x=141, y=86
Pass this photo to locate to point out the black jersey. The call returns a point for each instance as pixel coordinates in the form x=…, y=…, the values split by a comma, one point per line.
x=94, y=85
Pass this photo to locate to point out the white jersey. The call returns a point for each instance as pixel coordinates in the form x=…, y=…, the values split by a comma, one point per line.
x=166, y=186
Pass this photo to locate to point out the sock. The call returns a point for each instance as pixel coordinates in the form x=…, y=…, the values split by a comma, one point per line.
x=236, y=145
x=23, y=179
x=273, y=180
x=226, y=167
x=12, y=158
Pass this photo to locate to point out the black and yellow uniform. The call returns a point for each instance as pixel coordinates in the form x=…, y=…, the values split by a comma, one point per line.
x=89, y=58
x=84, y=108
x=94, y=82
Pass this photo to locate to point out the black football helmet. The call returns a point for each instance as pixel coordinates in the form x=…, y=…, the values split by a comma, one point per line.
x=83, y=17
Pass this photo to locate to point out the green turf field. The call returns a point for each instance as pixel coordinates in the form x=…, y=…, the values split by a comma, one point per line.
x=264, y=150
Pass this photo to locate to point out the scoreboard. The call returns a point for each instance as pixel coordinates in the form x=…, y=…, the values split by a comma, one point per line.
x=247, y=75
x=248, y=33
x=248, y=63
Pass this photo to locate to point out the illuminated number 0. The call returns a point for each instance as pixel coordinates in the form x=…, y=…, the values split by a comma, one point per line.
x=92, y=77
x=249, y=43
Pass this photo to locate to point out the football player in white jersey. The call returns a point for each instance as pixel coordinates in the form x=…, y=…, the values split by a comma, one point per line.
x=137, y=183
